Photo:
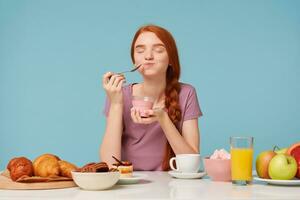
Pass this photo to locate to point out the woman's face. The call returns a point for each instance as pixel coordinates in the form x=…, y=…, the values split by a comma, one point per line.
x=151, y=52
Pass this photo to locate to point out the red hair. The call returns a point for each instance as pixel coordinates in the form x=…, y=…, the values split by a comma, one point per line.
x=172, y=80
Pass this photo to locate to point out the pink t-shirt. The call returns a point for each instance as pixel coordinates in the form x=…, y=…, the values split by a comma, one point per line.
x=144, y=144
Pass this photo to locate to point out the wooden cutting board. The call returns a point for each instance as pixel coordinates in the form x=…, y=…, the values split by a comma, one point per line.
x=7, y=183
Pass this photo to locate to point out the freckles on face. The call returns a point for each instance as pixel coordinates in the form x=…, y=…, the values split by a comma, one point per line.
x=150, y=51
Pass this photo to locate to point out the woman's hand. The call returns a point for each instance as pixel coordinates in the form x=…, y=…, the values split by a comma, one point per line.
x=112, y=84
x=155, y=114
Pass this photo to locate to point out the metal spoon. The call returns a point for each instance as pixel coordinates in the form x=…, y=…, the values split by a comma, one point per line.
x=134, y=69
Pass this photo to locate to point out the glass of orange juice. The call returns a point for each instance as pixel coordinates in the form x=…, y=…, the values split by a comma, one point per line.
x=241, y=150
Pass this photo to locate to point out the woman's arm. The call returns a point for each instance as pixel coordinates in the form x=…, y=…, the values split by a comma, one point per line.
x=111, y=143
x=186, y=143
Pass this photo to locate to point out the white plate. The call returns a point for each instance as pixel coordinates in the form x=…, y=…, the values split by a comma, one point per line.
x=186, y=175
x=278, y=182
x=131, y=180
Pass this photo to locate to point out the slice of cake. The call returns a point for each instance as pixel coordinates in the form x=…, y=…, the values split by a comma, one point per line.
x=125, y=168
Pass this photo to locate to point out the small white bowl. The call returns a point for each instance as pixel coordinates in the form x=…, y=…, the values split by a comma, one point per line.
x=95, y=180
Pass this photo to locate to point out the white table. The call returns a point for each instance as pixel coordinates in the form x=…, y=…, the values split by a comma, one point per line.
x=159, y=185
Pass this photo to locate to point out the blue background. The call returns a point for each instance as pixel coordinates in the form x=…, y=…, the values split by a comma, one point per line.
x=243, y=57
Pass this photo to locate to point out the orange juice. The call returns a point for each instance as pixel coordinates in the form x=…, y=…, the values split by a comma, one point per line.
x=241, y=164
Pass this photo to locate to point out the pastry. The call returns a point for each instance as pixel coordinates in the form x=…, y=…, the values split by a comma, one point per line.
x=46, y=165
x=19, y=167
x=66, y=168
x=101, y=167
x=13, y=162
x=125, y=168
x=94, y=167
x=86, y=168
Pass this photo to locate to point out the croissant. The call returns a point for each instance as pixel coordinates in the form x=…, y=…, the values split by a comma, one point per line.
x=46, y=165
x=66, y=168
x=19, y=167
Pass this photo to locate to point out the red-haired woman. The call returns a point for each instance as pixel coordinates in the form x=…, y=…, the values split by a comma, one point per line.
x=172, y=125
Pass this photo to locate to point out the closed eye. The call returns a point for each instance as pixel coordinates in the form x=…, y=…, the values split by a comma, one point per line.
x=140, y=49
x=159, y=49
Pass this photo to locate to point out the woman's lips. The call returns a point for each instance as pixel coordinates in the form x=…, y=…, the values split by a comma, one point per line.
x=146, y=65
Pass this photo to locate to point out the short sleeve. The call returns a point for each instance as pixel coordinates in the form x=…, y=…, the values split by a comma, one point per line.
x=192, y=108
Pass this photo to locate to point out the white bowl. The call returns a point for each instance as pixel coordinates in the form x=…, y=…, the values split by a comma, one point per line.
x=95, y=180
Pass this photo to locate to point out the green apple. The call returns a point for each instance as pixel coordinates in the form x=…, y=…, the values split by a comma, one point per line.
x=281, y=151
x=262, y=163
x=282, y=167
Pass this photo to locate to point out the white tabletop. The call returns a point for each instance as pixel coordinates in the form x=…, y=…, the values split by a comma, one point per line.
x=160, y=185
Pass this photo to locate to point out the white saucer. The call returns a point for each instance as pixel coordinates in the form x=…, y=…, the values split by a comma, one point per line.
x=186, y=175
x=278, y=182
x=131, y=180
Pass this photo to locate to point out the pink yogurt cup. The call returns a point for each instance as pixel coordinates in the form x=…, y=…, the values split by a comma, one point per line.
x=142, y=104
x=217, y=169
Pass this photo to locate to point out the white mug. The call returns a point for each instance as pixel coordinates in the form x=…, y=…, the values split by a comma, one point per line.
x=186, y=162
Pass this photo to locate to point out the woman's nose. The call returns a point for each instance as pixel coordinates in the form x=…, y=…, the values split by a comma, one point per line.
x=148, y=55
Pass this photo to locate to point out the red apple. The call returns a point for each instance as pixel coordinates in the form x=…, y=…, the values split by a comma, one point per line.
x=262, y=163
